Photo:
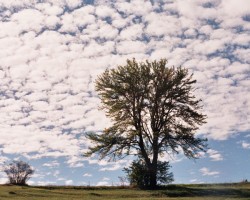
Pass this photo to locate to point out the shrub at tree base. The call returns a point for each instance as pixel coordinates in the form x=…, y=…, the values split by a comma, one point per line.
x=18, y=172
x=139, y=175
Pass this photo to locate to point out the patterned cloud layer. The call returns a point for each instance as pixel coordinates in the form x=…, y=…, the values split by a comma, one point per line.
x=52, y=51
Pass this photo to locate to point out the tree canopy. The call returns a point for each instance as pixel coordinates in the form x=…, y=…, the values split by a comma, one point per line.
x=153, y=110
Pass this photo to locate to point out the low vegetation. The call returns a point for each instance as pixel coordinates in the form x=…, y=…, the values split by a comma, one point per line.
x=231, y=191
x=18, y=172
x=138, y=174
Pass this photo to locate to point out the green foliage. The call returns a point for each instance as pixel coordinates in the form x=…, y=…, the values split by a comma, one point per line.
x=18, y=172
x=153, y=110
x=138, y=173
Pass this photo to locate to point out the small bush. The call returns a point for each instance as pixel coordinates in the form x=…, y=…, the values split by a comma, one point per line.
x=18, y=172
x=138, y=173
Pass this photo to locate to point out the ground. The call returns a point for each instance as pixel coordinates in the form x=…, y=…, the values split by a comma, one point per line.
x=229, y=191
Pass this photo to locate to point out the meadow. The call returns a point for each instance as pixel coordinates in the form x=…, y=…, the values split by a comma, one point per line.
x=229, y=191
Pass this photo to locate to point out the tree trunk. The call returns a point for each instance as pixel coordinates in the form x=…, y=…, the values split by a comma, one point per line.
x=152, y=172
x=153, y=177
x=153, y=166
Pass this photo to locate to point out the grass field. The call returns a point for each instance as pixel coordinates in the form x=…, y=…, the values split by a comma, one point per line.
x=231, y=191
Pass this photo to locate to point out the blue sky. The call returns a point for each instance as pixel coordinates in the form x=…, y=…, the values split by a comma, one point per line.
x=52, y=51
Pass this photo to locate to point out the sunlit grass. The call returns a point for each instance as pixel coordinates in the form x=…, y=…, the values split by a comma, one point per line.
x=181, y=192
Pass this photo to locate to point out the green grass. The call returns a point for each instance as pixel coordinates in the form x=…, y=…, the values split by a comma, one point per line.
x=231, y=191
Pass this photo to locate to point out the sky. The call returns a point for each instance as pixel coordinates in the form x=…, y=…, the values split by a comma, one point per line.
x=51, y=52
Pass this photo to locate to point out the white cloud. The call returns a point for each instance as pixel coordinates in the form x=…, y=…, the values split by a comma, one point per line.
x=68, y=182
x=94, y=49
x=112, y=168
x=31, y=182
x=245, y=145
x=16, y=4
x=106, y=31
x=56, y=173
x=104, y=11
x=48, y=9
x=73, y=3
x=157, y=25
x=20, y=139
x=52, y=21
x=214, y=155
x=235, y=9
x=209, y=46
x=87, y=174
x=102, y=183
x=3, y=159
x=128, y=47
x=120, y=22
x=28, y=20
x=206, y=172
x=140, y=7
x=132, y=32
x=4, y=180
x=243, y=54
x=52, y=164
x=68, y=23
x=75, y=161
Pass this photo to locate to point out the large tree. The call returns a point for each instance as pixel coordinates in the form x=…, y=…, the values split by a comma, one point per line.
x=153, y=110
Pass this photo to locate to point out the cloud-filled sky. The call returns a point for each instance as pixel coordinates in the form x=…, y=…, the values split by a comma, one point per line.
x=52, y=51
